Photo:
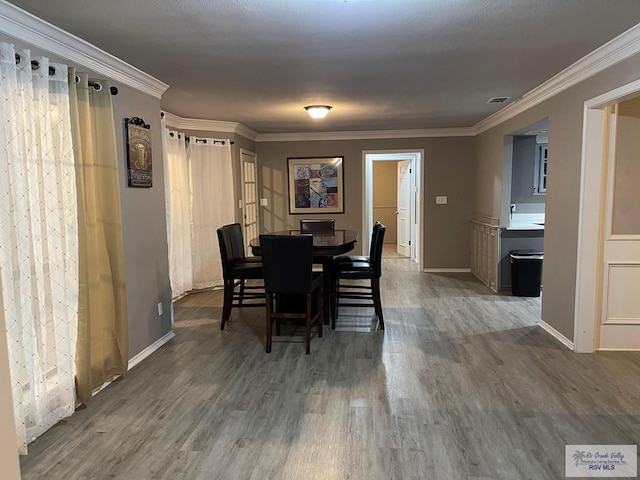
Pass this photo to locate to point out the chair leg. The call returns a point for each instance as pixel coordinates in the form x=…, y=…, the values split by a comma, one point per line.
x=241, y=292
x=278, y=322
x=319, y=307
x=269, y=302
x=226, y=303
x=334, y=307
x=307, y=340
x=377, y=302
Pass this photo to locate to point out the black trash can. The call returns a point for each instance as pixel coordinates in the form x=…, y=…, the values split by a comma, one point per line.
x=526, y=272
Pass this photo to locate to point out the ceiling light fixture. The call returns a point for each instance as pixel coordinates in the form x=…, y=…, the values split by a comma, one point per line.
x=318, y=111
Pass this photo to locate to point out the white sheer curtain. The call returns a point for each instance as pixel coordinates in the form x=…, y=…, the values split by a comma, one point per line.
x=38, y=239
x=212, y=205
x=178, y=213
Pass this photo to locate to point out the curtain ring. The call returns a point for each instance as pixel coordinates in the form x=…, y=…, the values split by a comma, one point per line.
x=96, y=86
x=52, y=70
x=18, y=59
x=77, y=79
x=35, y=65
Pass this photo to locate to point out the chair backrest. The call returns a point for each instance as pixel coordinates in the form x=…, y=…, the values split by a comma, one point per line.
x=237, y=240
x=317, y=225
x=226, y=249
x=287, y=262
x=376, y=250
x=374, y=232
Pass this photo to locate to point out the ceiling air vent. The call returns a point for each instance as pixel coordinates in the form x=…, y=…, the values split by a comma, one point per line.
x=498, y=99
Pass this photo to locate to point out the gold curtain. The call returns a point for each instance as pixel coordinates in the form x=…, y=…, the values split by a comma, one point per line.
x=103, y=344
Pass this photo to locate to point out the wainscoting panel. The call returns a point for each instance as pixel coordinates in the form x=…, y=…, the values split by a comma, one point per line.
x=485, y=249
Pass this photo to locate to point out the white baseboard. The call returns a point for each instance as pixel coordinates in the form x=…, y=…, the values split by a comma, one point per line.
x=618, y=349
x=140, y=357
x=446, y=270
x=150, y=349
x=556, y=334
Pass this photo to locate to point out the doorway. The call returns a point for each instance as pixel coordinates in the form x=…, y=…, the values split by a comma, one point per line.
x=400, y=212
x=607, y=310
x=248, y=173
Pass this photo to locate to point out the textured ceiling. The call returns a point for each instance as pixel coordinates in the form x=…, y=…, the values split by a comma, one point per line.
x=382, y=64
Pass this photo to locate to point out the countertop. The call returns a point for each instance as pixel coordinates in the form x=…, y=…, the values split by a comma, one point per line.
x=526, y=221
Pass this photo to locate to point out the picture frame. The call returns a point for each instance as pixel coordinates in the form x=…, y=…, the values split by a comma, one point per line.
x=316, y=184
x=139, y=158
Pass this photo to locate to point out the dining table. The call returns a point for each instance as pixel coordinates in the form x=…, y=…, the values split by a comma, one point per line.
x=326, y=245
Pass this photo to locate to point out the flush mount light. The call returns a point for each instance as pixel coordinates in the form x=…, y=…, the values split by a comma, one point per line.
x=318, y=111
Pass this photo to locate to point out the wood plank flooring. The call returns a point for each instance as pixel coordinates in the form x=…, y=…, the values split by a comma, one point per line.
x=460, y=385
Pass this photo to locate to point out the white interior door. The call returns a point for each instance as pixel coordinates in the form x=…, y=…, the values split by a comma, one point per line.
x=403, y=214
x=249, y=197
x=620, y=267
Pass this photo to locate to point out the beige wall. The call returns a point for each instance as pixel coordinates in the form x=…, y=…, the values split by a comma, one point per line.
x=144, y=228
x=448, y=169
x=385, y=197
x=565, y=112
x=9, y=465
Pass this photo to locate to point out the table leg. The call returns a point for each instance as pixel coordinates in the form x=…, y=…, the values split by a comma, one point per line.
x=327, y=272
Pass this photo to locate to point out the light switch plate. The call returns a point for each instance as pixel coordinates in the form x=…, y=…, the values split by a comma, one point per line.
x=441, y=200
x=263, y=202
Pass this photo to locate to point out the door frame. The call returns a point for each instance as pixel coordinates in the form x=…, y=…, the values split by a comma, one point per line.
x=416, y=156
x=244, y=151
x=590, y=215
x=410, y=208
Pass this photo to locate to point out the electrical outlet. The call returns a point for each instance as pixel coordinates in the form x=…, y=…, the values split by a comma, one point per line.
x=441, y=200
x=159, y=309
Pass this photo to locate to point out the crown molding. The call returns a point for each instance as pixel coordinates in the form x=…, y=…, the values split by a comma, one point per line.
x=175, y=121
x=614, y=51
x=171, y=120
x=365, y=135
x=26, y=27
x=246, y=132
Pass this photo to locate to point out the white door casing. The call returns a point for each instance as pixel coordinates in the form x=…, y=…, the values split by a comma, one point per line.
x=619, y=325
x=417, y=194
x=403, y=214
x=250, y=215
x=589, y=272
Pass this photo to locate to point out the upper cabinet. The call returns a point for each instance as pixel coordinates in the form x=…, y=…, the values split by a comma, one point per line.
x=528, y=170
x=540, y=170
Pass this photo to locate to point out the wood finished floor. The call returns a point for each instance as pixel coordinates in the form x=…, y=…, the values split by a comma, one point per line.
x=460, y=385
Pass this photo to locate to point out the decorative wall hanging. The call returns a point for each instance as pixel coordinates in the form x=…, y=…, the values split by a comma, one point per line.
x=316, y=185
x=139, y=161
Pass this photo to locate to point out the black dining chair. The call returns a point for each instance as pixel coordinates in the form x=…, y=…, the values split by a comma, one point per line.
x=317, y=225
x=236, y=270
x=361, y=258
x=350, y=294
x=288, y=277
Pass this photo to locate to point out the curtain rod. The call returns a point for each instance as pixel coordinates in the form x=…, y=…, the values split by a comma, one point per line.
x=204, y=140
x=35, y=65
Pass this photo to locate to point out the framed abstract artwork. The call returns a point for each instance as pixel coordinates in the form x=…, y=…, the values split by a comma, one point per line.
x=316, y=185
